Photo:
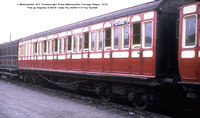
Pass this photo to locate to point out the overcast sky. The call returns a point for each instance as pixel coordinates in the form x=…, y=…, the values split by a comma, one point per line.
x=20, y=21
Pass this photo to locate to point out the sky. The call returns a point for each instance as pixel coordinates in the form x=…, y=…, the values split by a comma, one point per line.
x=19, y=20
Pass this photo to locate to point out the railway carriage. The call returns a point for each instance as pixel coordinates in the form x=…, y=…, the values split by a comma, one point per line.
x=9, y=59
x=131, y=42
x=144, y=53
x=118, y=52
x=188, y=52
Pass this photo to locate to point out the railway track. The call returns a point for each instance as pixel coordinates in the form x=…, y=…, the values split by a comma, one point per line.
x=126, y=110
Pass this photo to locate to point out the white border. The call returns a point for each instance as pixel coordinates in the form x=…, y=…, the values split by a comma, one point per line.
x=95, y=55
x=136, y=19
x=96, y=26
x=148, y=53
x=188, y=54
x=113, y=34
x=143, y=35
x=98, y=37
x=184, y=31
x=120, y=54
x=135, y=54
x=148, y=15
x=90, y=41
x=107, y=25
x=123, y=37
x=190, y=9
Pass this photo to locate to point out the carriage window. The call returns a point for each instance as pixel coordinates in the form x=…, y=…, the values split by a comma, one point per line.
x=74, y=43
x=100, y=40
x=42, y=47
x=39, y=48
x=80, y=43
x=190, y=31
x=45, y=46
x=126, y=37
x=22, y=50
x=69, y=43
x=65, y=45
x=48, y=46
x=86, y=39
x=148, y=34
x=52, y=43
x=136, y=35
x=60, y=47
x=92, y=41
x=35, y=48
x=116, y=38
x=108, y=38
x=56, y=45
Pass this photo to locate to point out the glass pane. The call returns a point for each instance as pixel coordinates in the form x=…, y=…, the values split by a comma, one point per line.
x=56, y=45
x=60, y=41
x=116, y=38
x=52, y=43
x=86, y=39
x=45, y=46
x=38, y=48
x=42, y=49
x=108, y=38
x=48, y=47
x=126, y=37
x=80, y=43
x=64, y=45
x=92, y=41
x=136, y=33
x=35, y=45
x=100, y=40
x=74, y=44
x=148, y=34
x=190, y=31
x=69, y=43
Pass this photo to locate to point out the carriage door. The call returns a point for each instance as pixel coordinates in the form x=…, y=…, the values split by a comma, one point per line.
x=189, y=52
x=142, y=57
x=146, y=52
x=136, y=59
x=198, y=42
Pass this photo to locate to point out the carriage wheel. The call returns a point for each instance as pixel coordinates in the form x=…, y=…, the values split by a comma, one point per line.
x=106, y=95
x=140, y=102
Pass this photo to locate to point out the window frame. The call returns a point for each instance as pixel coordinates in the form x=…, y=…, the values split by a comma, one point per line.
x=98, y=37
x=42, y=47
x=143, y=34
x=90, y=41
x=64, y=45
x=45, y=46
x=86, y=49
x=35, y=48
x=136, y=46
x=22, y=51
x=52, y=47
x=184, y=31
x=60, y=45
x=80, y=49
x=113, y=38
x=123, y=38
x=108, y=47
x=69, y=45
x=48, y=46
x=39, y=48
x=55, y=45
x=74, y=45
